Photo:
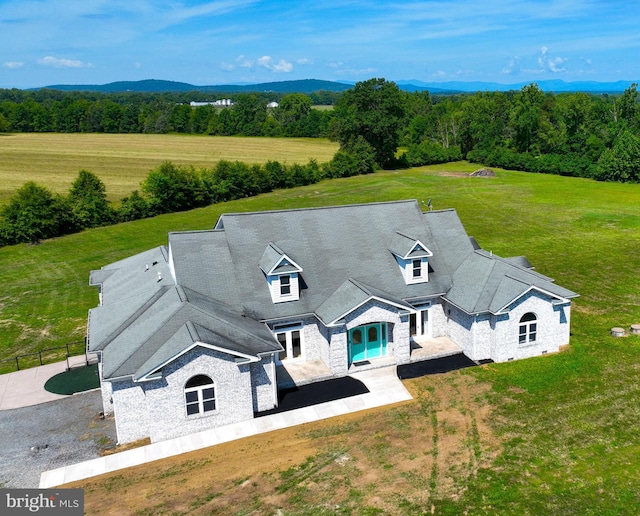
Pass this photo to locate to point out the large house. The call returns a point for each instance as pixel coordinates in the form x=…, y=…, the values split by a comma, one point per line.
x=203, y=332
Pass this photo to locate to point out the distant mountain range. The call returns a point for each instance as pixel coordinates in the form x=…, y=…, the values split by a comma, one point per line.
x=314, y=85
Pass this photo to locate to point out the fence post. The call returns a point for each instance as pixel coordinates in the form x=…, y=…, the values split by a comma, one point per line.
x=17, y=364
x=40, y=357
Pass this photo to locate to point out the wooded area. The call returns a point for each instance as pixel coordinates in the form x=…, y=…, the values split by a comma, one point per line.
x=595, y=136
x=577, y=134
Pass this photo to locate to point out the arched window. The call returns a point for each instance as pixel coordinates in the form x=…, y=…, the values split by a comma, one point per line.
x=528, y=329
x=200, y=395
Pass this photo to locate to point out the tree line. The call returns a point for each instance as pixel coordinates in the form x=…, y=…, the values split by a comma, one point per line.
x=34, y=213
x=578, y=134
x=84, y=112
x=595, y=136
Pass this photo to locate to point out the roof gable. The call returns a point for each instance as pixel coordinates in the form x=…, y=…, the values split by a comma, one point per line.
x=274, y=261
x=351, y=295
x=159, y=332
x=406, y=247
x=485, y=282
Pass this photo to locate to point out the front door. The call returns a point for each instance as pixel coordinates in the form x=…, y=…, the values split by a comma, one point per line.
x=367, y=341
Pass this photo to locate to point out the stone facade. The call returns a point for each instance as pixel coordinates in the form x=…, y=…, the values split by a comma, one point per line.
x=156, y=408
x=552, y=328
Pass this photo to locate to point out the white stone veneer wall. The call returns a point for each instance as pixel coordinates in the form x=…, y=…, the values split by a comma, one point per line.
x=552, y=328
x=105, y=390
x=156, y=409
x=130, y=409
x=264, y=390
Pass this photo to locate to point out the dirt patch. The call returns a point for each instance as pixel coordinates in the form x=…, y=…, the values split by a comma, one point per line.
x=453, y=174
x=390, y=458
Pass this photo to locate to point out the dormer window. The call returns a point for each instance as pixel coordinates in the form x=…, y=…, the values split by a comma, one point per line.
x=417, y=269
x=412, y=257
x=285, y=285
x=282, y=273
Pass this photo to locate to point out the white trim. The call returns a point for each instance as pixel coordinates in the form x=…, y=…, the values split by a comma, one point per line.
x=335, y=322
x=277, y=264
x=503, y=310
x=199, y=389
x=426, y=250
x=146, y=376
x=287, y=330
x=275, y=286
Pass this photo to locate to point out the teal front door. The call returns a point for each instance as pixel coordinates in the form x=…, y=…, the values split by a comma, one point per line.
x=367, y=341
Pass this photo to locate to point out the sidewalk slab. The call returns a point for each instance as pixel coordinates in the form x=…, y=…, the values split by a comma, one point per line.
x=26, y=387
x=384, y=388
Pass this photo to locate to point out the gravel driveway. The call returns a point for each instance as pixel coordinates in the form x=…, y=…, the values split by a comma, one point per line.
x=51, y=435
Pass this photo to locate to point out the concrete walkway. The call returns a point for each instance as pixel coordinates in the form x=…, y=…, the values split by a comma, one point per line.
x=25, y=388
x=384, y=388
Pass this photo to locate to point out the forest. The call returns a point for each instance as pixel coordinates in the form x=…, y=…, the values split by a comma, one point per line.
x=578, y=134
x=377, y=125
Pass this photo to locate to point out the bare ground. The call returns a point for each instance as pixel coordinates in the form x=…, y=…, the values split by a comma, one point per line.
x=396, y=460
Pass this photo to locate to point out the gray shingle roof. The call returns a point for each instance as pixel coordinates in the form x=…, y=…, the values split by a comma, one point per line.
x=349, y=295
x=488, y=283
x=158, y=332
x=220, y=295
x=329, y=244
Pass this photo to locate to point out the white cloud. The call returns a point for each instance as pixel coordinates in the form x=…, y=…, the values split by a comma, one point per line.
x=551, y=64
x=303, y=61
x=13, y=65
x=227, y=66
x=539, y=63
x=280, y=66
x=513, y=68
x=63, y=63
x=244, y=62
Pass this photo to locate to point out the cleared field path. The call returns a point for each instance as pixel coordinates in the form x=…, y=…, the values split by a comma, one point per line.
x=122, y=161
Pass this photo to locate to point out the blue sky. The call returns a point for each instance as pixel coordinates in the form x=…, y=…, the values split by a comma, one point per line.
x=204, y=42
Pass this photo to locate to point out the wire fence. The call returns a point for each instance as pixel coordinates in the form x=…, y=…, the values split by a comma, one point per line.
x=43, y=357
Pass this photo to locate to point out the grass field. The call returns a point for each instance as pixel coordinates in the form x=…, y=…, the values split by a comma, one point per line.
x=557, y=434
x=122, y=161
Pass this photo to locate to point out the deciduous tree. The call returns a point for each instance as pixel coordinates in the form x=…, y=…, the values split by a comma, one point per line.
x=373, y=111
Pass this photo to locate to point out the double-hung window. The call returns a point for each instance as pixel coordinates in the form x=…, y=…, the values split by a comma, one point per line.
x=417, y=268
x=285, y=285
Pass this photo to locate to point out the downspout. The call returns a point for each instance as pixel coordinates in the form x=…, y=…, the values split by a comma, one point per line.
x=275, y=380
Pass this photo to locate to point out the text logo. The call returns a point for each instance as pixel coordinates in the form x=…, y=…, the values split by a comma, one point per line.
x=48, y=502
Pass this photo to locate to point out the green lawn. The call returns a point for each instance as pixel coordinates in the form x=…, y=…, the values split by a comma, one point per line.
x=567, y=424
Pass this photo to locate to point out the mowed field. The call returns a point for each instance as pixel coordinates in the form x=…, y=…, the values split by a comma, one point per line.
x=122, y=161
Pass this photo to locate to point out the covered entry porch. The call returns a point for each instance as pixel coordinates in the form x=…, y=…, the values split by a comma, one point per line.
x=302, y=373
